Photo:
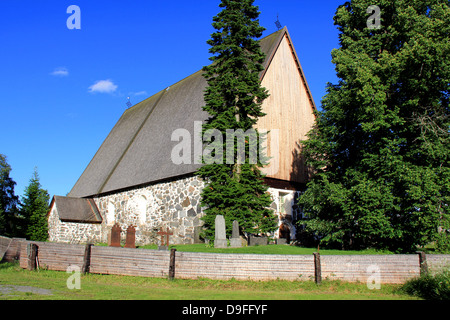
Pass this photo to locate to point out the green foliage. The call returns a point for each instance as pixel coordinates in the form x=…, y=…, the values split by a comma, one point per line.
x=430, y=287
x=380, y=147
x=9, y=202
x=34, y=210
x=233, y=100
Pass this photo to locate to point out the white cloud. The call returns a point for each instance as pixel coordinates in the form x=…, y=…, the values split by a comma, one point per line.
x=103, y=86
x=60, y=72
x=140, y=93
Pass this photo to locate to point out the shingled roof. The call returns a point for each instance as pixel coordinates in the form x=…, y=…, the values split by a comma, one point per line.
x=138, y=149
x=76, y=210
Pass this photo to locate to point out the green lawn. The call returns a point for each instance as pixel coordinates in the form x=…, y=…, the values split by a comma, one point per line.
x=105, y=287
x=270, y=249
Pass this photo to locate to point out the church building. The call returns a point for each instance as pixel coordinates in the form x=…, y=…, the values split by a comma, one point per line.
x=133, y=180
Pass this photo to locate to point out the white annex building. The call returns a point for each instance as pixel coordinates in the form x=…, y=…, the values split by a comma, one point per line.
x=132, y=180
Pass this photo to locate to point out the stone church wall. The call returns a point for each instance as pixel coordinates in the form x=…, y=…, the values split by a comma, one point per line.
x=174, y=204
x=70, y=232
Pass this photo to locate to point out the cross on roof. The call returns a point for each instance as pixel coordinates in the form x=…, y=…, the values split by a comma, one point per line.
x=165, y=233
x=278, y=23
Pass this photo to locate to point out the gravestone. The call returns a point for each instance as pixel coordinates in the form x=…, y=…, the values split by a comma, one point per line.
x=235, y=241
x=130, y=241
x=197, y=231
x=164, y=244
x=220, y=240
x=114, y=239
x=258, y=241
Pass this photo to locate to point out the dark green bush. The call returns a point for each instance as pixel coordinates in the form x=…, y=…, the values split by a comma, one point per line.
x=430, y=287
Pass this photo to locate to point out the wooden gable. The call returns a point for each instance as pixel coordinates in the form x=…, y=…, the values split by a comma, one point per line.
x=290, y=109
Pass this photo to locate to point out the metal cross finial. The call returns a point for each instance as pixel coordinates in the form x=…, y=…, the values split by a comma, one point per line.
x=278, y=23
x=129, y=103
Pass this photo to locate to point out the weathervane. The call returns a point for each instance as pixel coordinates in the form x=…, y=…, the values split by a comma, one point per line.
x=278, y=23
x=129, y=103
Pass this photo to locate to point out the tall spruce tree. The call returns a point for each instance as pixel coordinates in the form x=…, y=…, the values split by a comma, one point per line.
x=233, y=100
x=381, y=146
x=35, y=203
x=9, y=202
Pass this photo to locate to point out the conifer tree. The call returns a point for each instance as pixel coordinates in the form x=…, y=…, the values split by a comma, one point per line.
x=381, y=146
x=9, y=202
x=35, y=204
x=233, y=100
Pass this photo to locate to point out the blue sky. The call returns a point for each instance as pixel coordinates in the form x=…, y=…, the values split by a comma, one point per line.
x=62, y=90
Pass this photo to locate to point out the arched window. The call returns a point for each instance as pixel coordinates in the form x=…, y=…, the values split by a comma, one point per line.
x=110, y=214
x=142, y=209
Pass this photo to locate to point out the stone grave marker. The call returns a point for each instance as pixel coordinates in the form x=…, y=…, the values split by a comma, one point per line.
x=130, y=241
x=114, y=239
x=164, y=244
x=258, y=241
x=235, y=241
x=197, y=231
x=220, y=241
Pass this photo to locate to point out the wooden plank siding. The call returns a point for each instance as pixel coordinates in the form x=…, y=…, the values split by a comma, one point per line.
x=54, y=256
x=12, y=253
x=191, y=265
x=131, y=262
x=437, y=262
x=389, y=268
x=290, y=110
x=4, y=245
x=224, y=266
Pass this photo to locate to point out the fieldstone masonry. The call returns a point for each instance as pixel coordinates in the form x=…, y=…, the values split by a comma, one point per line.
x=71, y=232
x=173, y=204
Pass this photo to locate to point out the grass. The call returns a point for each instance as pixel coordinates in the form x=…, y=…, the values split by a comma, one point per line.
x=270, y=249
x=110, y=287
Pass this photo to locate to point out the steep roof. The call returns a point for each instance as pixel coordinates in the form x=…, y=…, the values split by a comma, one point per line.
x=138, y=149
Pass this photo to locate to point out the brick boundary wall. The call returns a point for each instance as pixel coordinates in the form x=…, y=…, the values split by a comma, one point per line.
x=224, y=266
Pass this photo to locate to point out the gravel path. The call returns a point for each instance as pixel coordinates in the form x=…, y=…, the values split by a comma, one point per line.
x=10, y=289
